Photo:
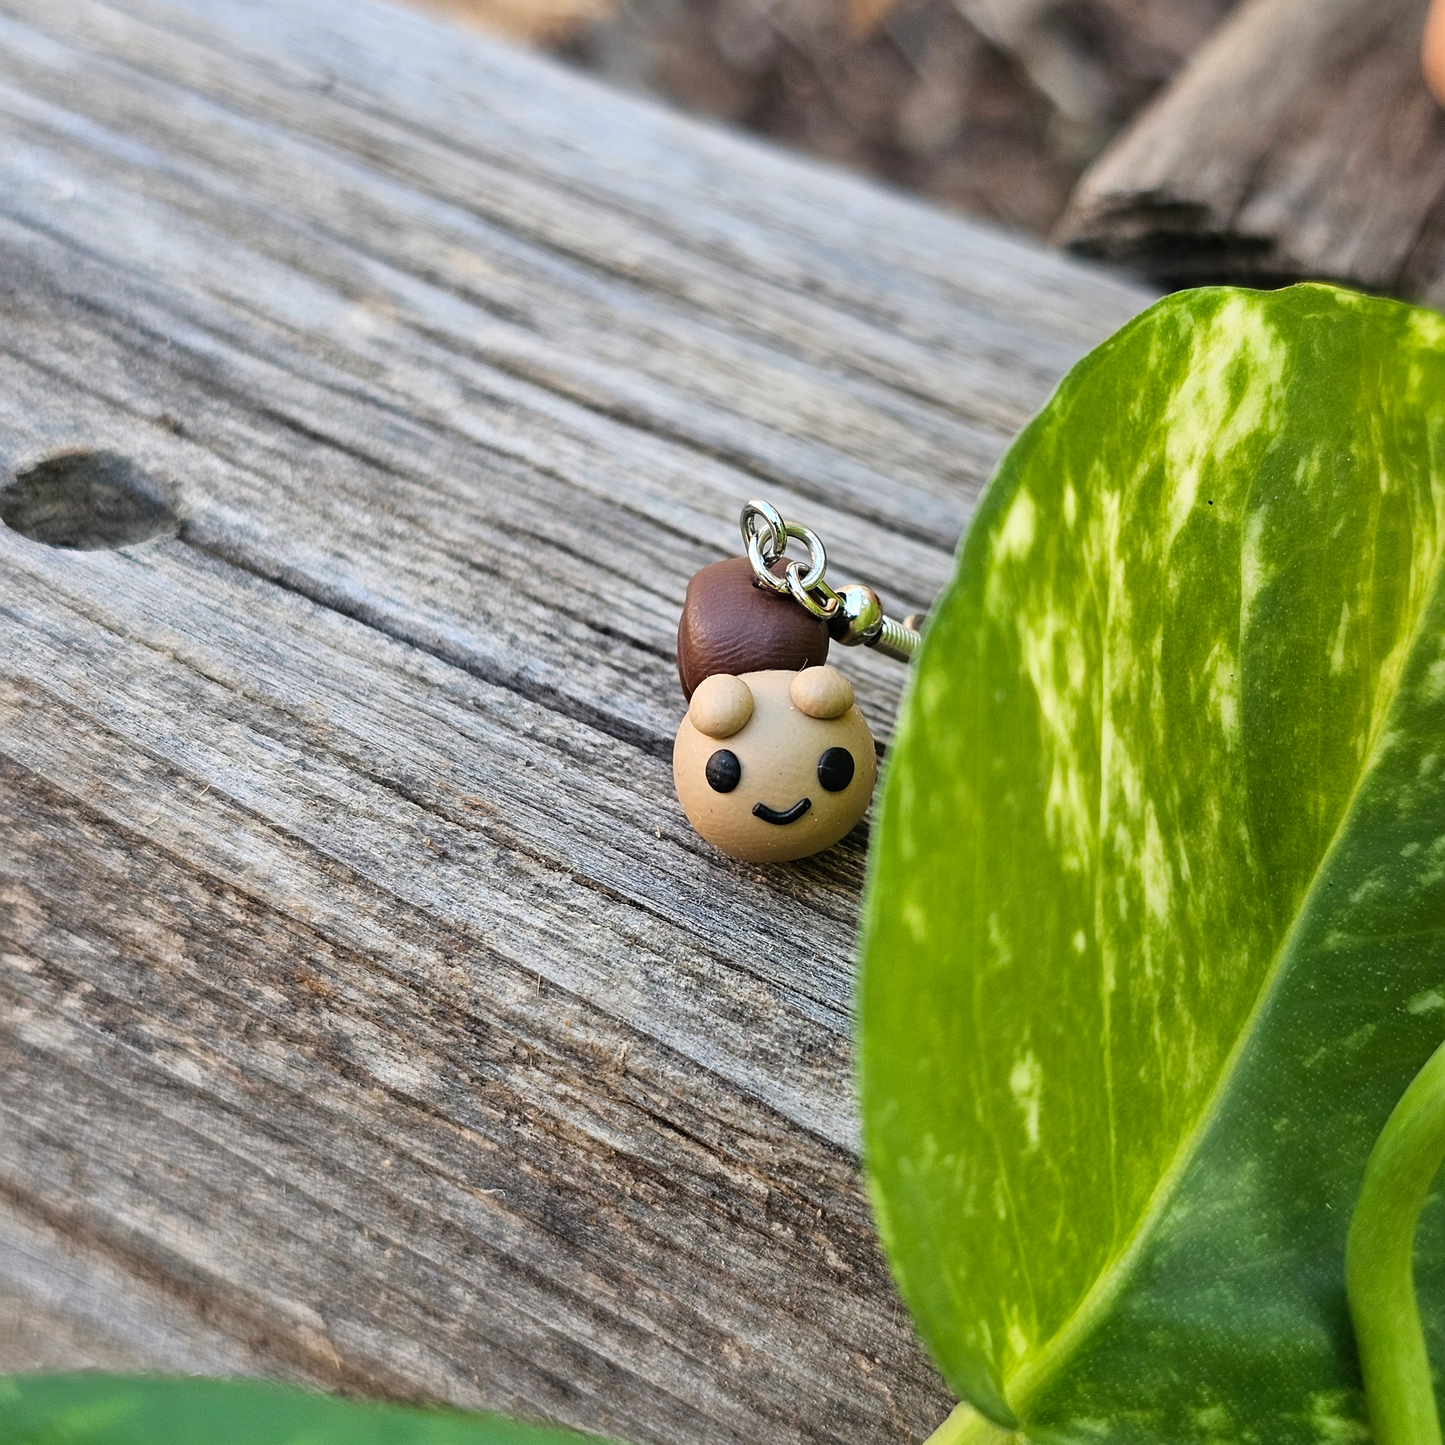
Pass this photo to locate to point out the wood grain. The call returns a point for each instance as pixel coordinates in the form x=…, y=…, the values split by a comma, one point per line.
x=1300, y=143
x=368, y=1013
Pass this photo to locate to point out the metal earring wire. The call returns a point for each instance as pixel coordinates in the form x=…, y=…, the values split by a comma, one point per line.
x=853, y=613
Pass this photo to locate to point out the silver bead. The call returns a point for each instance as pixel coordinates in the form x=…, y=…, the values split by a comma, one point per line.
x=859, y=617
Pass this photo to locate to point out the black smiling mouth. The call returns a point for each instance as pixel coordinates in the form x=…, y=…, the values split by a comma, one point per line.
x=771, y=815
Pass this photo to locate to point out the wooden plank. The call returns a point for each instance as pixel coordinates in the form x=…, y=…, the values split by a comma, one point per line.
x=1300, y=143
x=62, y=1306
x=365, y=1000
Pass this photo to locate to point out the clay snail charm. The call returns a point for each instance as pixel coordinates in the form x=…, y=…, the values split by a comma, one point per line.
x=774, y=761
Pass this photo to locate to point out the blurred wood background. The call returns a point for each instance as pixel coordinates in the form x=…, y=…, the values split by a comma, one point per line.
x=994, y=106
x=369, y=1015
x=1188, y=141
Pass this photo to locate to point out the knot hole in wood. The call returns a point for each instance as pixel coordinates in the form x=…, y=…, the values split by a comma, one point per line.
x=87, y=500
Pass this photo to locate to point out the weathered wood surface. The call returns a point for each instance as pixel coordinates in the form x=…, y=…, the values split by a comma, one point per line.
x=368, y=1013
x=1300, y=142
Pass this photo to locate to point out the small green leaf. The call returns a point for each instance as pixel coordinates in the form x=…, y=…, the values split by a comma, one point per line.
x=1379, y=1263
x=96, y=1409
x=1155, y=930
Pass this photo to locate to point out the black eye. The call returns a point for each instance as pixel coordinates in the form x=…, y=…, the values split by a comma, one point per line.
x=724, y=771
x=835, y=769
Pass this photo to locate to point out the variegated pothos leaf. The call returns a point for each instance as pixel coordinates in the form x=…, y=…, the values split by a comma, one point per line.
x=89, y=1408
x=1154, y=927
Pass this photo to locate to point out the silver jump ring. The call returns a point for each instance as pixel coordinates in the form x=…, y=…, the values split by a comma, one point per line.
x=802, y=592
x=794, y=580
x=774, y=532
x=762, y=568
x=817, y=556
x=766, y=544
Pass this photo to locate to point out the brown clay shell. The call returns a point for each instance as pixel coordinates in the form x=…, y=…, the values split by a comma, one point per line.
x=731, y=625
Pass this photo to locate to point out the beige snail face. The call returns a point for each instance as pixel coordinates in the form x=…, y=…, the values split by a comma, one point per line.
x=772, y=766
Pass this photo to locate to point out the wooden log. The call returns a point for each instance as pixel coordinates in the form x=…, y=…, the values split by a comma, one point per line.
x=1300, y=143
x=369, y=1015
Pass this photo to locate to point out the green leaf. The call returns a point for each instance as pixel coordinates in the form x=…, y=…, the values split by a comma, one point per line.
x=1379, y=1263
x=95, y=1409
x=1155, y=929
